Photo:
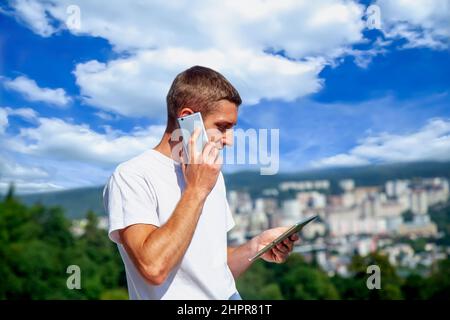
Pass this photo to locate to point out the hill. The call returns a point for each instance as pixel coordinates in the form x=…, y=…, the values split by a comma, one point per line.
x=78, y=201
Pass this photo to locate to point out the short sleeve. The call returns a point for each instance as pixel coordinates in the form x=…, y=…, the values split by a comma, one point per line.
x=128, y=200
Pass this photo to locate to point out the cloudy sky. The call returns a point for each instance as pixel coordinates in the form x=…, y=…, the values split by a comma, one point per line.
x=79, y=96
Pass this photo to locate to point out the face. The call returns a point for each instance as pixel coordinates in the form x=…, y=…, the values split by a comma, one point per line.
x=220, y=122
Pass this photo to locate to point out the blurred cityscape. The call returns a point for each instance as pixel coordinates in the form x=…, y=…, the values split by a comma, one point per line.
x=355, y=220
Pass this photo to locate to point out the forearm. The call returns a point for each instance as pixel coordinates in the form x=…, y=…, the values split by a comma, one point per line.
x=167, y=245
x=238, y=257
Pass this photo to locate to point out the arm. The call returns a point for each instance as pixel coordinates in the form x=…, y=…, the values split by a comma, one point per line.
x=238, y=257
x=156, y=251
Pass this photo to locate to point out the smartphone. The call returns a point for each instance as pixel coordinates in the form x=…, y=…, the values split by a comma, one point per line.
x=289, y=232
x=187, y=125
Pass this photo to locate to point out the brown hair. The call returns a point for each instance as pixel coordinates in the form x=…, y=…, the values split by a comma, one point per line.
x=198, y=88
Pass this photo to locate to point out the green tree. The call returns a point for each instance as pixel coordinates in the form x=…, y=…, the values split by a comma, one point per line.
x=355, y=287
x=293, y=279
x=415, y=287
x=254, y=280
x=37, y=246
x=439, y=282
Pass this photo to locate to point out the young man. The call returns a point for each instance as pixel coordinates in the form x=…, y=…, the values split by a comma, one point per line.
x=170, y=218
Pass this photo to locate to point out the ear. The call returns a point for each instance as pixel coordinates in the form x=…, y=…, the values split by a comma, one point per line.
x=185, y=112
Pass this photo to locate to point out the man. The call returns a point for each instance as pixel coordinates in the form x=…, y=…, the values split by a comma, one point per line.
x=170, y=218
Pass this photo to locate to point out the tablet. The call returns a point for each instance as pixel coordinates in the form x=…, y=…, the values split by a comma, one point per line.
x=289, y=232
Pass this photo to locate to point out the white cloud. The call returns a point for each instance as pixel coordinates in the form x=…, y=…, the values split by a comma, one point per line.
x=137, y=85
x=238, y=38
x=55, y=154
x=13, y=170
x=363, y=58
x=432, y=142
x=32, y=92
x=423, y=23
x=105, y=116
x=33, y=14
x=161, y=38
x=26, y=113
x=341, y=160
x=27, y=178
x=51, y=154
x=24, y=187
x=300, y=27
x=57, y=139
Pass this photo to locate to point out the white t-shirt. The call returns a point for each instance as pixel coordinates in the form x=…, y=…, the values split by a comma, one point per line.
x=146, y=189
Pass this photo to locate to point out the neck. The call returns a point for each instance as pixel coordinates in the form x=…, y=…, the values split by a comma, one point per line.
x=165, y=146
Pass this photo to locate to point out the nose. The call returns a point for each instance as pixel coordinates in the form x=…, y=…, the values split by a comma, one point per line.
x=227, y=138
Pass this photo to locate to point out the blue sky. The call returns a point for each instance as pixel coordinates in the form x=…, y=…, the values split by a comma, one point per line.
x=77, y=100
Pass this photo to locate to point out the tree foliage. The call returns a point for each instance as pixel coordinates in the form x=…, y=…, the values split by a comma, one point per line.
x=37, y=246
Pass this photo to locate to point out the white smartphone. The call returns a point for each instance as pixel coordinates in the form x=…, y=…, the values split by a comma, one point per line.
x=289, y=232
x=187, y=125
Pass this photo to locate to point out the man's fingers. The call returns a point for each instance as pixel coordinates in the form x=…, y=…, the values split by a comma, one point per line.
x=279, y=255
x=183, y=167
x=216, y=157
x=196, y=133
x=207, y=151
x=288, y=244
x=214, y=153
x=294, y=237
x=193, y=146
x=282, y=248
x=209, y=154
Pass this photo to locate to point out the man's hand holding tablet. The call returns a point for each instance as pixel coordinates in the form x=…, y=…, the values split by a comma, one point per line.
x=274, y=245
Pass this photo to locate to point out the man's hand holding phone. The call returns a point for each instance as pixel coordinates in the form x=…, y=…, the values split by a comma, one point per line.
x=280, y=252
x=203, y=168
x=274, y=245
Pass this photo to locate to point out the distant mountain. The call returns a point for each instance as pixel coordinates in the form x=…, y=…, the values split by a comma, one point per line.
x=78, y=201
x=363, y=175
